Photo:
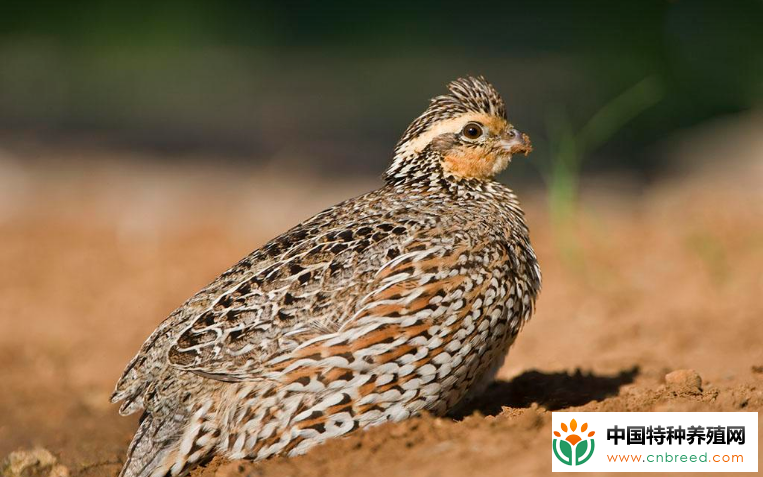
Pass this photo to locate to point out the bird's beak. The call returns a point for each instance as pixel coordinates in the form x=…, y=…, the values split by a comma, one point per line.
x=515, y=142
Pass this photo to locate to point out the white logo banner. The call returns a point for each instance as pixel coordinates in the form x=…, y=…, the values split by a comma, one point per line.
x=654, y=442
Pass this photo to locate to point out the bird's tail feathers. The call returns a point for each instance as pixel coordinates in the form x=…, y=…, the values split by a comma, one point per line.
x=169, y=446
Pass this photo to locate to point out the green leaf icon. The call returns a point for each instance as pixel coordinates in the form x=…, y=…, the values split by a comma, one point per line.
x=566, y=449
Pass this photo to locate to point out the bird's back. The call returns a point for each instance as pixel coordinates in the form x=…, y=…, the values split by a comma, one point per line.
x=307, y=282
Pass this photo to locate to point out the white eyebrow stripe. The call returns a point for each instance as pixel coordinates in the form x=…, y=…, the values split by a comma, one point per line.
x=451, y=125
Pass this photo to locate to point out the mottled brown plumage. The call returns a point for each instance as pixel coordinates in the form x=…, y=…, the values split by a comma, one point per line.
x=401, y=300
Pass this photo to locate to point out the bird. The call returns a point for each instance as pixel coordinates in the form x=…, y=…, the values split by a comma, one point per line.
x=400, y=301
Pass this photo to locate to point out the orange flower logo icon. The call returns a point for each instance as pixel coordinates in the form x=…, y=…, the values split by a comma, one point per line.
x=573, y=449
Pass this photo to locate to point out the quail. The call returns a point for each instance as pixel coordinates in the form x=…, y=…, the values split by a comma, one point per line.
x=402, y=300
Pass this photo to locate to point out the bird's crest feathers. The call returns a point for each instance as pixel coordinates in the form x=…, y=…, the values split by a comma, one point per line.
x=471, y=94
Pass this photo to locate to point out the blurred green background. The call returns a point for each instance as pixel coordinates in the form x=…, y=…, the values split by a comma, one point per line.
x=329, y=86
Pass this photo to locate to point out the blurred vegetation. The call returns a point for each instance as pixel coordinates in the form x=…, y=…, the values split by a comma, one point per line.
x=569, y=147
x=330, y=85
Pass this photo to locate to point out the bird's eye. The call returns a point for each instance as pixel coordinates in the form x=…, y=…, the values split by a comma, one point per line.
x=472, y=131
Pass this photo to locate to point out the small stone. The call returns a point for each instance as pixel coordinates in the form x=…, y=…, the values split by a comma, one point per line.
x=59, y=471
x=28, y=462
x=684, y=381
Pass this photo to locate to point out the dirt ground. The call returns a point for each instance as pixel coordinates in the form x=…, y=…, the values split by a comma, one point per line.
x=95, y=252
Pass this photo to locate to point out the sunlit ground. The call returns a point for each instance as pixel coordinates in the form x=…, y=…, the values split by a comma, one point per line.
x=98, y=246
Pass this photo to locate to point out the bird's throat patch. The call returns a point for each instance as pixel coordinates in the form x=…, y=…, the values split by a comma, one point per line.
x=474, y=163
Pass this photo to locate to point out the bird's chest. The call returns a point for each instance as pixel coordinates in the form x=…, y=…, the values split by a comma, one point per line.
x=479, y=319
x=473, y=328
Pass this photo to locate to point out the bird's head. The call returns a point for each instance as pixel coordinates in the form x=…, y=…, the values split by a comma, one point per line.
x=466, y=132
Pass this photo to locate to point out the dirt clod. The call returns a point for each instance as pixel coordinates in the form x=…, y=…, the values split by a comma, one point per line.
x=59, y=471
x=684, y=381
x=28, y=463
